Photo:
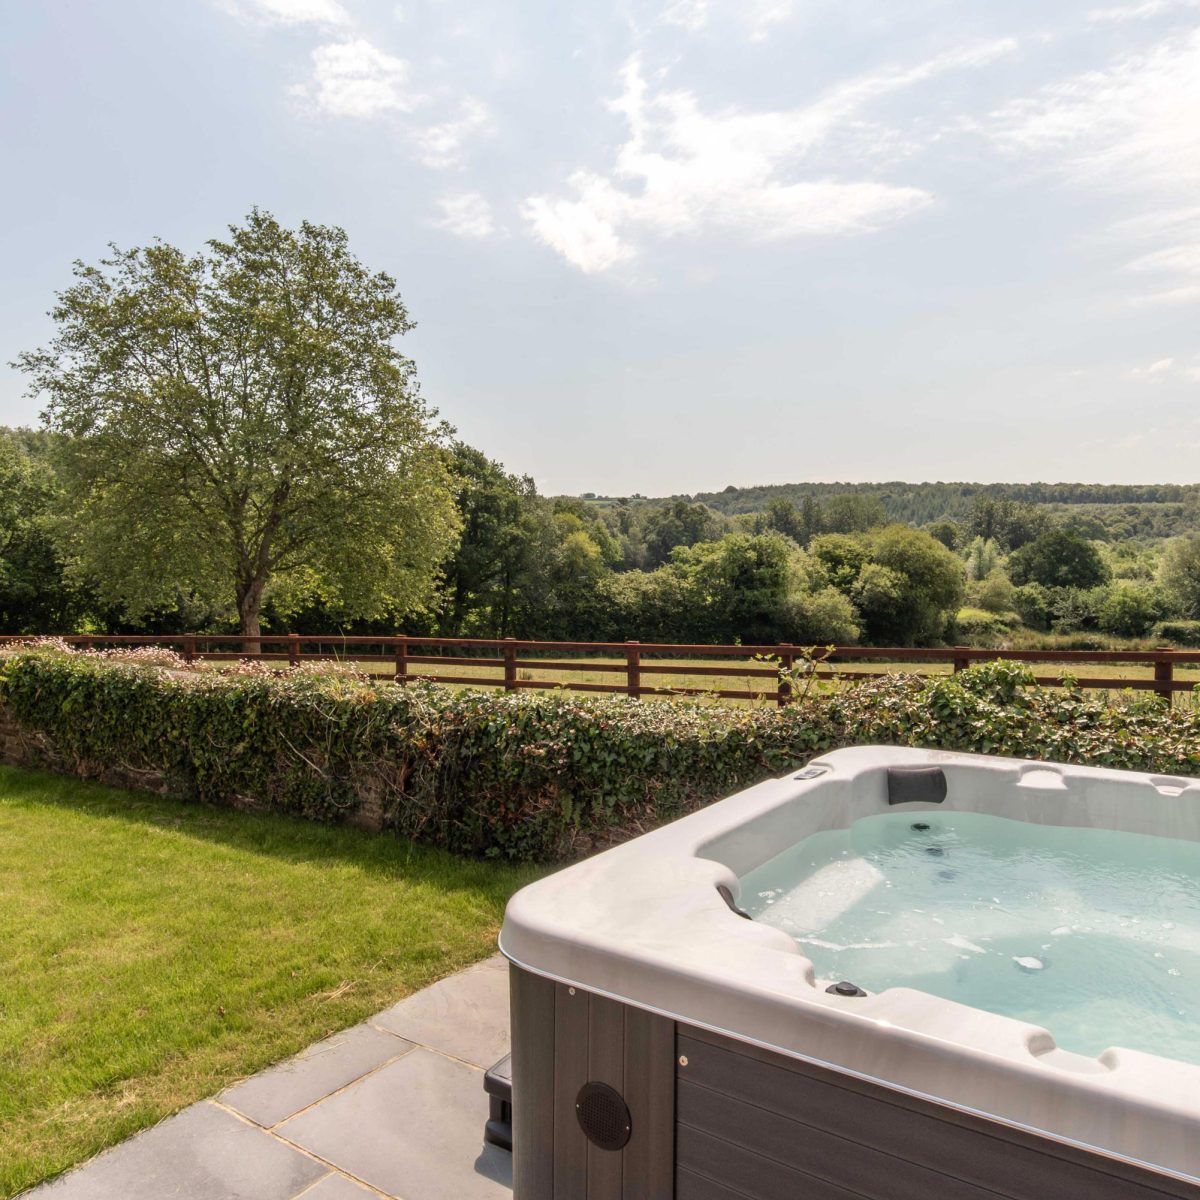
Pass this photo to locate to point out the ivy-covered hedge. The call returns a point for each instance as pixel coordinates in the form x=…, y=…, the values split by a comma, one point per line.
x=528, y=776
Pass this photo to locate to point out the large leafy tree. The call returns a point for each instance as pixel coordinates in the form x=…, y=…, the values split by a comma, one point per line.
x=239, y=422
x=1058, y=558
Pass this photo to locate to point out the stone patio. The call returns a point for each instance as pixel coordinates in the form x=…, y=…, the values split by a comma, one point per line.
x=393, y=1107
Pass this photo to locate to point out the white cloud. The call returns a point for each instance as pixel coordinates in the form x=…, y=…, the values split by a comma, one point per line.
x=442, y=145
x=757, y=15
x=682, y=170
x=688, y=14
x=1170, y=370
x=356, y=79
x=292, y=12
x=466, y=215
x=1128, y=130
x=1139, y=12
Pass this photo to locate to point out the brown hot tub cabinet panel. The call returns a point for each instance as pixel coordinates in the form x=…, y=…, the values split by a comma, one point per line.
x=710, y=1118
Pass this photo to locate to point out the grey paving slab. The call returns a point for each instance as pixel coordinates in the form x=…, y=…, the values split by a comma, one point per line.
x=284, y=1090
x=338, y=1187
x=413, y=1129
x=465, y=1016
x=204, y=1153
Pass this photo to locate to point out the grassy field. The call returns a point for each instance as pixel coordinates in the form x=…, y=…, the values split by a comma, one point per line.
x=591, y=671
x=152, y=952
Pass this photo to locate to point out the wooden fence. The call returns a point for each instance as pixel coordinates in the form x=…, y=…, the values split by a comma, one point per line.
x=506, y=661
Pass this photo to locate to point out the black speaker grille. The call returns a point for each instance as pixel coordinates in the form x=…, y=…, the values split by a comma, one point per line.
x=603, y=1116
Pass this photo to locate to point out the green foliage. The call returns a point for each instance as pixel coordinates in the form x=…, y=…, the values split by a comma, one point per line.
x=994, y=592
x=983, y=557
x=981, y=627
x=1179, y=575
x=851, y=512
x=1130, y=609
x=240, y=421
x=35, y=594
x=1058, y=558
x=945, y=531
x=1032, y=602
x=1076, y=608
x=1178, y=633
x=1007, y=523
x=529, y=776
x=930, y=586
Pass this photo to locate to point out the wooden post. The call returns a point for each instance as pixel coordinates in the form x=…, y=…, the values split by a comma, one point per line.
x=1163, y=669
x=633, y=669
x=189, y=647
x=87, y=642
x=293, y=649
x=510, y=665
x=787, y=659
x=961, y=661
x=401, y=662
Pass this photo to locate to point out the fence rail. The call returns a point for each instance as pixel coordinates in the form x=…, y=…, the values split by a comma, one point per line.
x=507, y=658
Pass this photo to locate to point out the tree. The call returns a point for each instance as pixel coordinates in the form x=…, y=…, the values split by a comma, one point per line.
x=480, y=577
x=1058, y=558
x=930, y=586
x=850, y=512
x=240, y=422
x=1010, y=523
x=945, y=531
x=741, y=584
x=35, y=595
x=1179, y=575
x=677, y=523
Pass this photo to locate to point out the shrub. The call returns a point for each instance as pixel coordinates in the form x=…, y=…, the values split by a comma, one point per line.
x=1129, y=609
x=1178, y=633
x=529, y=776
x=1032, y=603
x=993, y=592
x=978, y=627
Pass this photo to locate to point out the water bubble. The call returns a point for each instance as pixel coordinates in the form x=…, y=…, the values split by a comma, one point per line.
x=1028, y=963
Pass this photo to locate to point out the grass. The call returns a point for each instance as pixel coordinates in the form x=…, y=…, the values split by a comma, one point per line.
x=588, y=672
x=151, y=952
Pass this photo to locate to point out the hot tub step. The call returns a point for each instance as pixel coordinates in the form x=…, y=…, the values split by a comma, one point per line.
x=498, y=1084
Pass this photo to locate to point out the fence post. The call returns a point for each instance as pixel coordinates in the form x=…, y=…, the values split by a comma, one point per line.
x=293, y=649
x=961, y=661
x=401, y=661
x=87, y=642
x=787, y=660
x=510, y=665
x=633, y=669
x=1163, y=669
x=189, y=647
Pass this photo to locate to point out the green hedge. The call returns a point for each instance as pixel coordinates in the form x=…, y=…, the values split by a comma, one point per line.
x=531, y=776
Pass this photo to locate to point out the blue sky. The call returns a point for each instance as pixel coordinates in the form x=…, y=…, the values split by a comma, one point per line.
x=667, y=245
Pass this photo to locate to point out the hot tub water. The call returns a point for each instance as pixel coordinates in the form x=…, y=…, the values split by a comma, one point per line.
x=1092, y=934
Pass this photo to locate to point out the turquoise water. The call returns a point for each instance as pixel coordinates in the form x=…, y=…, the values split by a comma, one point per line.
x=1091, y=934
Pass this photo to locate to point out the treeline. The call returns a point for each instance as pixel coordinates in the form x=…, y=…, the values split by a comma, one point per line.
x=923, y=503
x=527, y=565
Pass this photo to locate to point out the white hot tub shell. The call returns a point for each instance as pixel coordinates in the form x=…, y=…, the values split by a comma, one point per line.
x=645, y=935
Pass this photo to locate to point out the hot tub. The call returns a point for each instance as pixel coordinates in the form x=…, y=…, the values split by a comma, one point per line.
x=675, y=1034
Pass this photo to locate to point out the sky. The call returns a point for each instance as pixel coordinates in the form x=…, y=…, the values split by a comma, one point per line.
x=664, y=246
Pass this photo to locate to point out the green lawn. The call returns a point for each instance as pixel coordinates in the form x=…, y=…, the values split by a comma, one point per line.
x=153, y=952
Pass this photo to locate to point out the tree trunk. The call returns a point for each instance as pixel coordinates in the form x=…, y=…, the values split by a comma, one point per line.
x=249, y=603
